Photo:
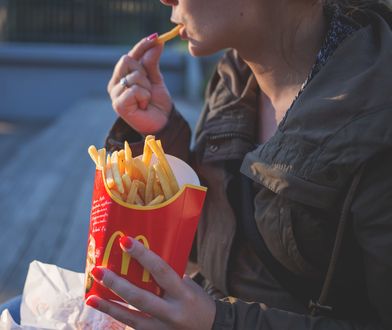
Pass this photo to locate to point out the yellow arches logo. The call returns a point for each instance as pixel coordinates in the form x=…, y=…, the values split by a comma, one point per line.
x=126, y=258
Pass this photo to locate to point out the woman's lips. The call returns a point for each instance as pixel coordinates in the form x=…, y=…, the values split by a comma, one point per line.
x=183, y=34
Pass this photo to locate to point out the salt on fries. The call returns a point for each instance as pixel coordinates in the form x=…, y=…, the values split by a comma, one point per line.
x=137, y=181
x=170, y=35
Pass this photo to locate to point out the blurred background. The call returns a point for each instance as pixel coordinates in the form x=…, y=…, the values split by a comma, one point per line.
x=56, y=58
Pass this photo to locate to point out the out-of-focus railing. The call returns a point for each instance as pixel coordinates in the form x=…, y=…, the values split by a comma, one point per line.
x=81, y=21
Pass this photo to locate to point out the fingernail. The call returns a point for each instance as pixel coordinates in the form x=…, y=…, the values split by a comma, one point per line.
x=97, y=273
x=126, y=242
x=152, y=36
x=92, y=301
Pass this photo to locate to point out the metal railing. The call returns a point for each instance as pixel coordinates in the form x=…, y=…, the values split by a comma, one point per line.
x=81, y=21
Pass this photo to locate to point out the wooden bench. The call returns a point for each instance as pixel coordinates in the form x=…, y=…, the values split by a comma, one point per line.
x=45, y=194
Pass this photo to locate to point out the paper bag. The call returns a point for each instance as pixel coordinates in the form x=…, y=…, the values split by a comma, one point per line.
x=53, y=298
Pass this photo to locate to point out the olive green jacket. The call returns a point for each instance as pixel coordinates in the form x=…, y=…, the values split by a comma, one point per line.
x=341, y=120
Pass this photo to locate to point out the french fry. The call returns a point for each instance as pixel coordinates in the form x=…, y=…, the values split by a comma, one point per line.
x=169, y=35
x=116, y=173
x=157, y=189
x=141, y=188
x=132, y=192
x=157, y=200
x=136, y=180
x=108, y=173
x=127, y=150
x=127, y=182
x=147, y=153
x=116, y=194
x=136, y=174
x=139, y=200
x=93, y=152
x=159, y=143
x=128, y=159
x=165, y=165
x=167, y=191
x=141, y=168
x=121, y=161
x=101, y=157
x=149, y=195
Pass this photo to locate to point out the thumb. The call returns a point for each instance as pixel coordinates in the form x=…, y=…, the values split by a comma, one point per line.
x=150, y=62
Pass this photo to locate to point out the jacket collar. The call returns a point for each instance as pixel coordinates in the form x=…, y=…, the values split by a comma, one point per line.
x=228, y=126
x=341, y=120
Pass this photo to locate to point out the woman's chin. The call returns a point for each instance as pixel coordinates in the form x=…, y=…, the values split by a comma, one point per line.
x=199, y=50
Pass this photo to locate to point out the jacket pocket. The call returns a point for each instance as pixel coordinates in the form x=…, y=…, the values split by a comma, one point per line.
x=296, y=235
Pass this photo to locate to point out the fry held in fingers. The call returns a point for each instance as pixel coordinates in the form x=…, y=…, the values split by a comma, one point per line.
x=136, y=180
x=170, y=35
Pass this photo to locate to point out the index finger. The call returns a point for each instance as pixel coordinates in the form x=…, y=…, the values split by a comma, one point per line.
x=123, y=67
x=163, y=274
x=141, y=47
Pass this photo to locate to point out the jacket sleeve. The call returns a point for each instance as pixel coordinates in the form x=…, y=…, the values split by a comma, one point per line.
x=233, y=314
x=372, y=220
x=175, y=137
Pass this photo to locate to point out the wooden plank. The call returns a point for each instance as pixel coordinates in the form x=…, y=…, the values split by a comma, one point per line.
x=13, y=133
x=40, y=189
x=76, y=244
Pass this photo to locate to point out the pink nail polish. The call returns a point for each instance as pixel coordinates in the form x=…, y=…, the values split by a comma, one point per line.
x=126, y=242
x=152, y=36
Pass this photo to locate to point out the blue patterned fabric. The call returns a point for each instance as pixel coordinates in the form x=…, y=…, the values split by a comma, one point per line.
x=340, y=27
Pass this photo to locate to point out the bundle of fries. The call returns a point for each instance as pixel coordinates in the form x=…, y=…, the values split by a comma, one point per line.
x=137, y=181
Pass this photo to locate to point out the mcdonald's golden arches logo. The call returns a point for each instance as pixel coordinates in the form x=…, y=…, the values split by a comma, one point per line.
x=126, y=258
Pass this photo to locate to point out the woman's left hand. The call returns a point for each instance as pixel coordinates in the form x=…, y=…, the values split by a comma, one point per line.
x=184, y=304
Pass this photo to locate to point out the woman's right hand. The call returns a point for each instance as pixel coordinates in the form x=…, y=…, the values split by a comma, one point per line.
x=145, y=102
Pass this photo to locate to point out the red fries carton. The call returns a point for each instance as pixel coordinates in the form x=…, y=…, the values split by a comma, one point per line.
x=168, y=229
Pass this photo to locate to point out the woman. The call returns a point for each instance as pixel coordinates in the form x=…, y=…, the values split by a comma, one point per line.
x=294, y=145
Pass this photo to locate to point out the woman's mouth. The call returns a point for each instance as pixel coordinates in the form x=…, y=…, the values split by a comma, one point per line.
x=183, y=35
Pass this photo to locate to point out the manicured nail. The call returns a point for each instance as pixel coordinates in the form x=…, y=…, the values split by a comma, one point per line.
x=97, y=273
x=92, y=301
x=126, y=242
x=152, y=36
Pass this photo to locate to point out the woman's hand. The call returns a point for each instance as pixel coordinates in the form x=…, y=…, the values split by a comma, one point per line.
x=184, y=304
x=137, y=89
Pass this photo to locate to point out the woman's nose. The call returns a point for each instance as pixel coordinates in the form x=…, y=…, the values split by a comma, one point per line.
x=169, y=2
